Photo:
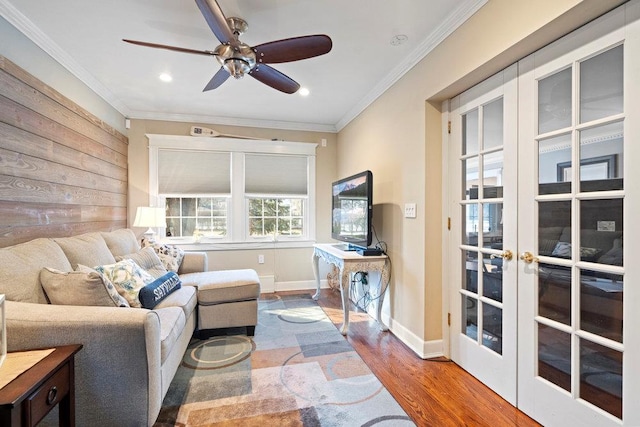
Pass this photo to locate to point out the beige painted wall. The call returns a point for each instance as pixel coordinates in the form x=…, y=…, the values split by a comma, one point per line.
x=287, y=265
x=399, y=137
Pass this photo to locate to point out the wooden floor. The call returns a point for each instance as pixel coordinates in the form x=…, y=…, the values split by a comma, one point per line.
x=433, y=393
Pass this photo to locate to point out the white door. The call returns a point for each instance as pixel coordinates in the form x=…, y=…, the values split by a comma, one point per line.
x=579, y=299
x=483, y=166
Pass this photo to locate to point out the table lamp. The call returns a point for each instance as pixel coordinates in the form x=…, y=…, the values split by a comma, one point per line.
x=150, y=217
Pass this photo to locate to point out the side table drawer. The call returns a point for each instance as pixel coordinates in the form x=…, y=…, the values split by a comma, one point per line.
x=49, y=394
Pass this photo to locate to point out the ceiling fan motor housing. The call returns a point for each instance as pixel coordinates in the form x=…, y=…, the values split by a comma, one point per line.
x=238, y=60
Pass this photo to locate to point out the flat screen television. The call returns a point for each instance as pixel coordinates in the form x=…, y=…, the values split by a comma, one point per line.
x=351, y=207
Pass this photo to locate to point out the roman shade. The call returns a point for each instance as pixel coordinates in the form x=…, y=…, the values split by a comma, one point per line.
x=275, y=174
x=194, y=172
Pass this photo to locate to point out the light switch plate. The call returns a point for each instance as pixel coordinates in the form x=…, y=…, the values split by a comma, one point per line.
x=409, y=210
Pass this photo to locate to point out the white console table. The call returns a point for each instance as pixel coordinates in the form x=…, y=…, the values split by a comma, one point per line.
x=350, y=262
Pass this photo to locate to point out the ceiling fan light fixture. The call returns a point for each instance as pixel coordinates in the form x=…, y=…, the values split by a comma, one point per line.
x=304, y=91
x=165, y=77
x=237, y=67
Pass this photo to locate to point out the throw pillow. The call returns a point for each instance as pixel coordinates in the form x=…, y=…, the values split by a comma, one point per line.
x=170, y=255
x=588, y=254
x=79, y=288
x=563, y=250
x=128, y=279
x=159, y=289
x=148, y=260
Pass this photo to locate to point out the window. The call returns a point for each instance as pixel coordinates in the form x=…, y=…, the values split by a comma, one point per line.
x=276, y=191
x=197, y=216
x=276, y=217
x=234, y=192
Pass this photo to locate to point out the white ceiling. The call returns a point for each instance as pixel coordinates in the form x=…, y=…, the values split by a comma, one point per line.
x=86, y=37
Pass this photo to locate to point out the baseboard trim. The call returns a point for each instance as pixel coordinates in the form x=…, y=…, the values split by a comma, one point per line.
x=424, y=349
x=267, y=284
x=302, y=285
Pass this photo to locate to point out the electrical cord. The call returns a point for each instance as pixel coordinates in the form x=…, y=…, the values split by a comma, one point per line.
x=362, y=277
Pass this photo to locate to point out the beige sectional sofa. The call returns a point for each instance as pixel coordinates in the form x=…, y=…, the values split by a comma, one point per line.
x=129, y=355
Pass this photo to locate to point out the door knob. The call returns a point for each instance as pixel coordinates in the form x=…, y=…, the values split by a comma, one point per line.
x=508, y=255
x=528, y=257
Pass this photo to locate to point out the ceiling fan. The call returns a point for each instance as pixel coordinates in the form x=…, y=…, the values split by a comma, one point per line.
x=237, y=58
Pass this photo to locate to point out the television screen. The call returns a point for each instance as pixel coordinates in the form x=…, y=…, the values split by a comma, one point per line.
x=351, y=209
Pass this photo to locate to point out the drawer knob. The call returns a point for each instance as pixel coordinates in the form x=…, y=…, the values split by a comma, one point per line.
x=51, y=396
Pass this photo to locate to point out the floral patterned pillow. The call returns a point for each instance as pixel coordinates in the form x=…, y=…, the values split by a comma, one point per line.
x=128, y=278
x=171, y=256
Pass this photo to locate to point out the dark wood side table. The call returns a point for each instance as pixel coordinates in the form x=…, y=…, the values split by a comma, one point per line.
x=27, y=399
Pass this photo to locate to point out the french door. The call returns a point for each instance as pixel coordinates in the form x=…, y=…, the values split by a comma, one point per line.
x=578, y=198
x=484, y=233
x=571, y=289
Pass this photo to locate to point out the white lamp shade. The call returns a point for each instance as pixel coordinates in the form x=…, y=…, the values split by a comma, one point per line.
x=150, y=217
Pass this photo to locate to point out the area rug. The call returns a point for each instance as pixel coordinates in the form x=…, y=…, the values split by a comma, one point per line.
x=297, y=370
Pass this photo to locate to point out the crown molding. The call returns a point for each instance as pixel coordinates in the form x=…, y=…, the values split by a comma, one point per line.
x=32, y=32
x=233, y=121
x=448, y=26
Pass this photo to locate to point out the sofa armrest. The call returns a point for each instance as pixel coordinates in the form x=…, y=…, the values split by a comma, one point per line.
x=194, y=262
x=118, y=368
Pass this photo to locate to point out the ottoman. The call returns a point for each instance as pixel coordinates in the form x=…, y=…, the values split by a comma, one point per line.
x=226, y=299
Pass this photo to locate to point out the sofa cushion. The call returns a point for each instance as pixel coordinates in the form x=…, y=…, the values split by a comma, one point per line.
x=153, y=293
x=20, y=267
x=170, y=255
x=185, y=298
x=217, y=287
x=172, y=323
x=121, y=242
x=87, y=249
x=148, y=259
x=79, y=288
x=128, y=279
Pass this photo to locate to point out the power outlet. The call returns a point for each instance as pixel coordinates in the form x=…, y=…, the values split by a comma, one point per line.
x=410, y=210
x=260, y=259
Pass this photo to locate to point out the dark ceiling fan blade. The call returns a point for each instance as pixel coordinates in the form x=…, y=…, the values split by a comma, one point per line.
x=218, y=78
x=164, y=46
x=216, y=20
x=274, y=78
x=293, y=49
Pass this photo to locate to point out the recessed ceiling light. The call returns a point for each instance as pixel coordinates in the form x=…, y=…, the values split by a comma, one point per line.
x=165, y=77
x=398, y=39
x=303, y=91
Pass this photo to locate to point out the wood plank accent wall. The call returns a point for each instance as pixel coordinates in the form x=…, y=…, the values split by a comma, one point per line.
x=62, y=170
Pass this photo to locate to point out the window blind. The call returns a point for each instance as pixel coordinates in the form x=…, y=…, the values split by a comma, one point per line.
x=275, y=174
x=194, y=172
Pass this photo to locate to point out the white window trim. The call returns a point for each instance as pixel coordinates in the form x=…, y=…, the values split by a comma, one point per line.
x=236, y=236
